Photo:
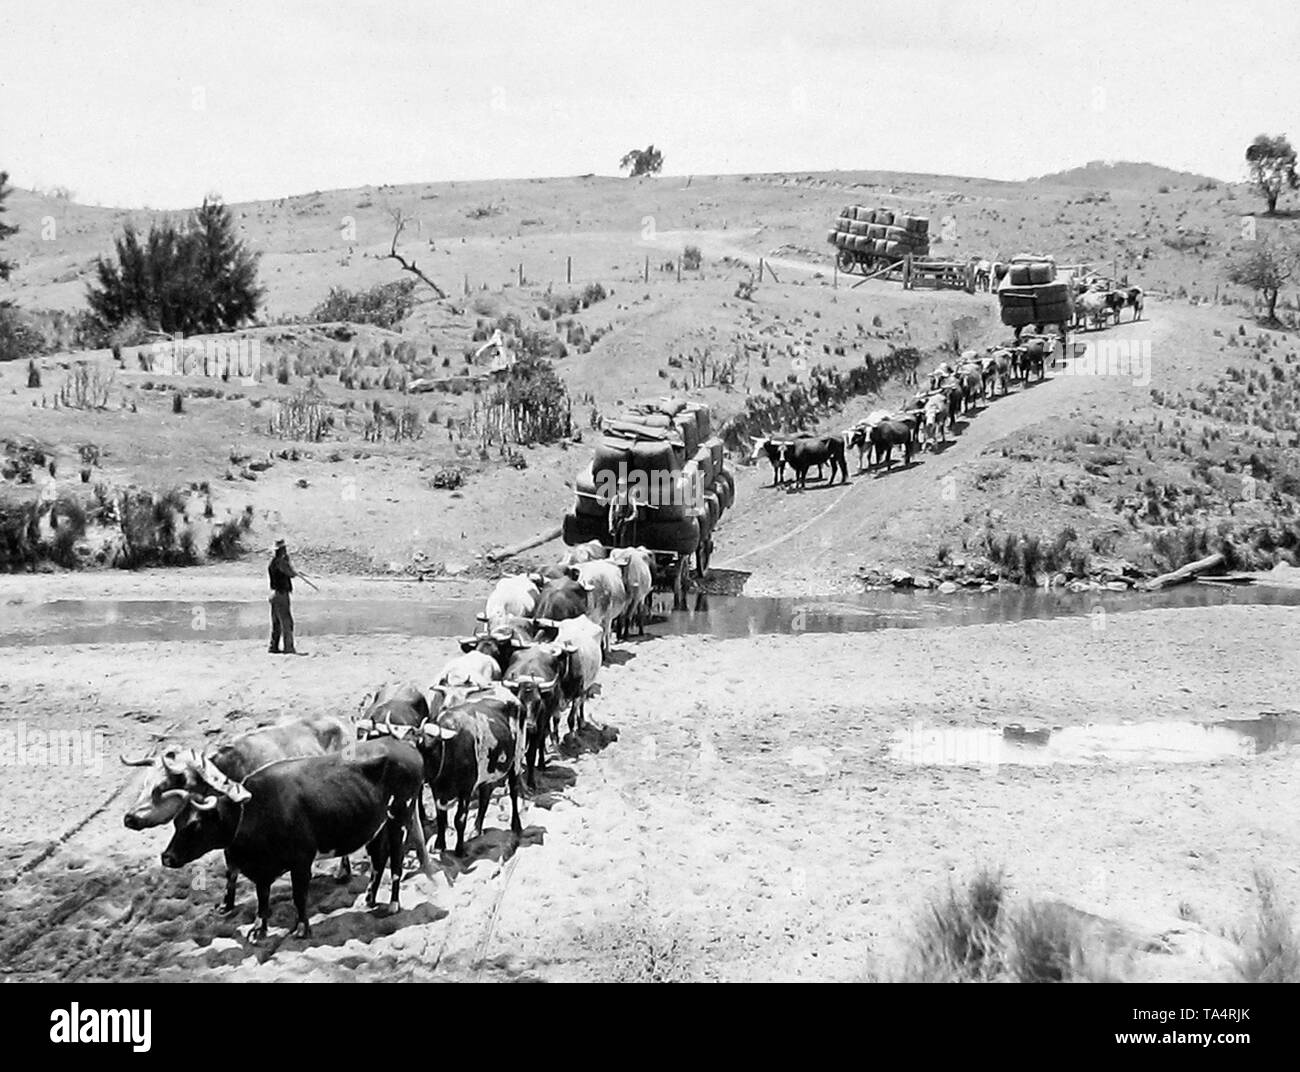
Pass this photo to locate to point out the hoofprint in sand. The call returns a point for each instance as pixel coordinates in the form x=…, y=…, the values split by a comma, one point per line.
x=738, y=817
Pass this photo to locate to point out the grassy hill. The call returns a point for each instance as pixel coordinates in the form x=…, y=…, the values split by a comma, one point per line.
x=1171, y=233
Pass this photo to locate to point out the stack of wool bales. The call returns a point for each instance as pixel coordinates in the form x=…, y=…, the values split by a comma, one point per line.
x=1031, y=294
x=665, y=449
x=880, y=232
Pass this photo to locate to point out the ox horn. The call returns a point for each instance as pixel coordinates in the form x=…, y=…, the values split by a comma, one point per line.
x=146, y=762
x=202, y=803
x=480, y=617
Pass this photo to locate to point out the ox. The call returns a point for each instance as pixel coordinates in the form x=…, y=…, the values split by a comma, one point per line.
x=607, y=597
x=175, y=778
x=514, y=596
x=535, y=676
x=802, y=454
x=638, y=579
x=289, y=811
x=471, y=748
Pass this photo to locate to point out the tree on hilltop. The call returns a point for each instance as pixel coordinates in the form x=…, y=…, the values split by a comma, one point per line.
x=1272, y=164
x=647, y=161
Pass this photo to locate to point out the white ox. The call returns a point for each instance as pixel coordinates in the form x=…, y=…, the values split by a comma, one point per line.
x=606, y=596
x=466, y=673
x=581, y=637
x=513, y=597
x=591, y=551
x=638, y=580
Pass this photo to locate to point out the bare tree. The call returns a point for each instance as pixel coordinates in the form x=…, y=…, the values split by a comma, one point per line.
x=400, y=220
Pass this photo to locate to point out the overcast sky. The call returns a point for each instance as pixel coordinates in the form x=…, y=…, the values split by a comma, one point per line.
x=159, y=101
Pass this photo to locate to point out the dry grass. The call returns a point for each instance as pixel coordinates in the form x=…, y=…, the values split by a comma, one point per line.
x=973, y=935
x=1272, y=951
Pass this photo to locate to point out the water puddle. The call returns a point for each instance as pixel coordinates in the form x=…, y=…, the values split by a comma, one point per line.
x=1144, y=742
x=725, y=617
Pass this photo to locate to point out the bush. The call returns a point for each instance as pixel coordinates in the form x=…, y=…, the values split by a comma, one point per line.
x=33, y=374
x=692, y=258
x=18, y=337
x=178, y=402
x=227, y=539
x=19, y=535
x=195, y=278
x=154, y=532
x=385, y=305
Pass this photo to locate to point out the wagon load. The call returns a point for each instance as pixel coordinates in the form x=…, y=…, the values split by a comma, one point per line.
x=1030, y=293
x=664, y=449
x=880, y=232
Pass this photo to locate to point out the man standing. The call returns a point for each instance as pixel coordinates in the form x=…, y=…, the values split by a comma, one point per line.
x=282, y=573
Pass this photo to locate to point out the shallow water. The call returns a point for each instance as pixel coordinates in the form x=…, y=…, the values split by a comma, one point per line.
x=1146, y=742
x=127, y=621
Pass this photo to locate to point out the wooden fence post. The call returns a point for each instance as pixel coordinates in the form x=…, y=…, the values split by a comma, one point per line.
x=521, y=273
x=760, y=269
x=647, y=267
x=679, y=268
x=835, y=274
x=568, y=269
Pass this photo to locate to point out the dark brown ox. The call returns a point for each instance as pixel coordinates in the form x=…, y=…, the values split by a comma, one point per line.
x=177, y=773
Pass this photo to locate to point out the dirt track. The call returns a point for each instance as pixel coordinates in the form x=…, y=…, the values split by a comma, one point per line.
x=728, y=829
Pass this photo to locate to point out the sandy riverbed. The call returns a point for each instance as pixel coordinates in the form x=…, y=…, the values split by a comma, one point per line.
x=740, y=818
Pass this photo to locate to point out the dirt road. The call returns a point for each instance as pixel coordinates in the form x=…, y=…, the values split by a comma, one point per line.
x=813, y=541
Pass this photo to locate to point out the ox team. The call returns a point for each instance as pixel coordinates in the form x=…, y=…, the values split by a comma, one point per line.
x=276, y=798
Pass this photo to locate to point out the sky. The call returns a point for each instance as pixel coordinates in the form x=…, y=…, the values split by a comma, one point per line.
x=159, y=102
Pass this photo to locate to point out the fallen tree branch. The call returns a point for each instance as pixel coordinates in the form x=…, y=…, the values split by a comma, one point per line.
x=533, y=541
x=409, y=266
x=1185, y=573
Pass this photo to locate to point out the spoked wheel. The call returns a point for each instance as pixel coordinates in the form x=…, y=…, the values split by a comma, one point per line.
x=680, y=573
x=845, y=261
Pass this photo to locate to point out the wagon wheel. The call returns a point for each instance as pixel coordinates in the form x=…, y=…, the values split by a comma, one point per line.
x=682, y=568
x=844, y=260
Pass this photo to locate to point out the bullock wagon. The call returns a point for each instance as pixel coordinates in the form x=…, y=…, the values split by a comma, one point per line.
x=877, y=241
x=656, y=480
x=1033, y=293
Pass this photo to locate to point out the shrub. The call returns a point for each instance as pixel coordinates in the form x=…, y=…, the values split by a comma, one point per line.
x=691, y=258
x=33, y=374
x=227, y=539
x=385, y=305
x=18, y=335
x=178, y=402
x=193, y=278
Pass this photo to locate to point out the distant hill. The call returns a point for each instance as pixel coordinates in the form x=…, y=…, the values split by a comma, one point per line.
x=1124, y=175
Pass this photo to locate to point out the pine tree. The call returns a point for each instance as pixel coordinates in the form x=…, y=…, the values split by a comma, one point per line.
x=7, y=230
x=193, y=279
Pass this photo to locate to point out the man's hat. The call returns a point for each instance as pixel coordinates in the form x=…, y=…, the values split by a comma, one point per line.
x=279, y=543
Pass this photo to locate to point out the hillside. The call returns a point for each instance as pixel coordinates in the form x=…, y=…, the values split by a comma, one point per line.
x=641, y=337
x=1126, y=175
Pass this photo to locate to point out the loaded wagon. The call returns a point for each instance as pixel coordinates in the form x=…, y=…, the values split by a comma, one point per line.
x=1033, y=293
x=868, y=240
x=656, y=480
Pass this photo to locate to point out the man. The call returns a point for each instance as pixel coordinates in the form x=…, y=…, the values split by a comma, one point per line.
x=282, y=573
